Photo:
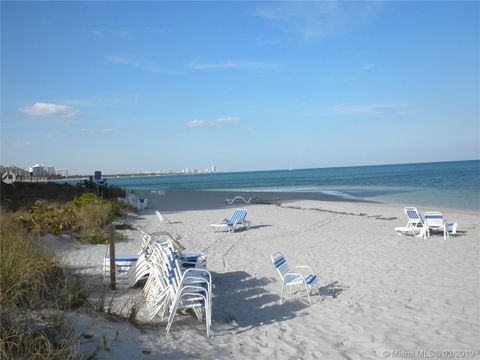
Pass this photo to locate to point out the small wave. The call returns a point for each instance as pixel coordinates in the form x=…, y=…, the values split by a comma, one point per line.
x=339, y=194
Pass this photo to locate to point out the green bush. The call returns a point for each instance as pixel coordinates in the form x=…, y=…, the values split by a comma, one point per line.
x=86, y=216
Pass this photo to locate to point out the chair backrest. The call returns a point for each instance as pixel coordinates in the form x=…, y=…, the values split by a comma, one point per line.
x=434, y=219
x=238, y=214
x=279, y=262
x=413, y=215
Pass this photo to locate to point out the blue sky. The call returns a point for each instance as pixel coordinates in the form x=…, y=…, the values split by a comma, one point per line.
x=118, y=86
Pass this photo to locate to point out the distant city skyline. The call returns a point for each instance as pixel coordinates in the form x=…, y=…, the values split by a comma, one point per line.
x=122, y=86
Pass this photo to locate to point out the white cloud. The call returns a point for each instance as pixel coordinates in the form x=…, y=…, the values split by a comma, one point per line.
x=124, y=34
x=23, y=143
x=229, y=64
x=197, y=123
x=98, y=131
x=120, y=59
x=139, y=64
x=317, y=19
x=226, y=120
x=47, y=109
x=217, y=123
x=369, y=108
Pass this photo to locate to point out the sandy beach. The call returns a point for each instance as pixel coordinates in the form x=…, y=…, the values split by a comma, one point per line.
x=381, y=295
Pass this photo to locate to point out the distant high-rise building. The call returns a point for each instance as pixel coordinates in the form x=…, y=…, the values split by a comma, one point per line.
x=61, y=172
x=42, y=170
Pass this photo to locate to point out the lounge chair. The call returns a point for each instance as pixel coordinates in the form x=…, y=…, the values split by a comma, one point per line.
x=239, y=199
x=289, y=278
x=415, y=225
x=237, y=219
x=123, y=263
x=434, y=221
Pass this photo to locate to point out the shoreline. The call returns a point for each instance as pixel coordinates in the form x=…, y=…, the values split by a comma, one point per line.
x=219, y=197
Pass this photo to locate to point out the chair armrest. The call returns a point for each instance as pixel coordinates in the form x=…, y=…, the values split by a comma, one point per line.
x=305, y=267
x=296, y=274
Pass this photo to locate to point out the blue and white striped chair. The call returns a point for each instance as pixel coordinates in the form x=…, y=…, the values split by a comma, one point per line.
x=290, y=278
x=237, y=219
x=415, y=225
x=434, y=221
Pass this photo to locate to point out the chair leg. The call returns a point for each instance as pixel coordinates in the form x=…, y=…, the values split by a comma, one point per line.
x=281, y=293
x=173, y=310
x=454, y=228
x=308, y=293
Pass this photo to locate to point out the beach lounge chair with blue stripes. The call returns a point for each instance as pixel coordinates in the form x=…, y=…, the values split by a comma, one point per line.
x=237, y=219
x=289, y=278
x=434, y=221
x=415, y=225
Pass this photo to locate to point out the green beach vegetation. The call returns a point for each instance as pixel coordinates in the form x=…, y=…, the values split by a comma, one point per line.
x=36, y=289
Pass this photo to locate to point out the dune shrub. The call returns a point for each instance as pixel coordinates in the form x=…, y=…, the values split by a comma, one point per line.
x=32, y=280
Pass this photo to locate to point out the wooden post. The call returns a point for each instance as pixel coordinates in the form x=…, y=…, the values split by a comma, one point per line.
x=112, y=257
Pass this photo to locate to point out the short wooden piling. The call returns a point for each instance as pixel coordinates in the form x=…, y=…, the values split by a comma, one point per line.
x=112, y=256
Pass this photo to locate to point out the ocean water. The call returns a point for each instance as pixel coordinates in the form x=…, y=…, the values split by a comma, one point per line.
x=454, y=184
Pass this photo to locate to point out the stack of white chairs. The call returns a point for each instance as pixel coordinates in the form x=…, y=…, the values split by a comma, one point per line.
x=170, y=287
x=141, y=269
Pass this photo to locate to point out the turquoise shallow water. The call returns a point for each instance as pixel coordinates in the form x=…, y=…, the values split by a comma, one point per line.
x=453, y=184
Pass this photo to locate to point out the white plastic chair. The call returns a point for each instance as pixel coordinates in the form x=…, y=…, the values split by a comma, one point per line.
x=434, y=221
x=290, y=278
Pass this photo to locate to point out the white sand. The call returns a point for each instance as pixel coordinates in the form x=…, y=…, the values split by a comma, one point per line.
x=380, y=292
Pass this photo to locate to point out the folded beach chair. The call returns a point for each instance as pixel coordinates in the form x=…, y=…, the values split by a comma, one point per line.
x=239, y=199
x=161, y=218
x=237, y=219
x=434, y=221
x=415, y=225
x=289, y=278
